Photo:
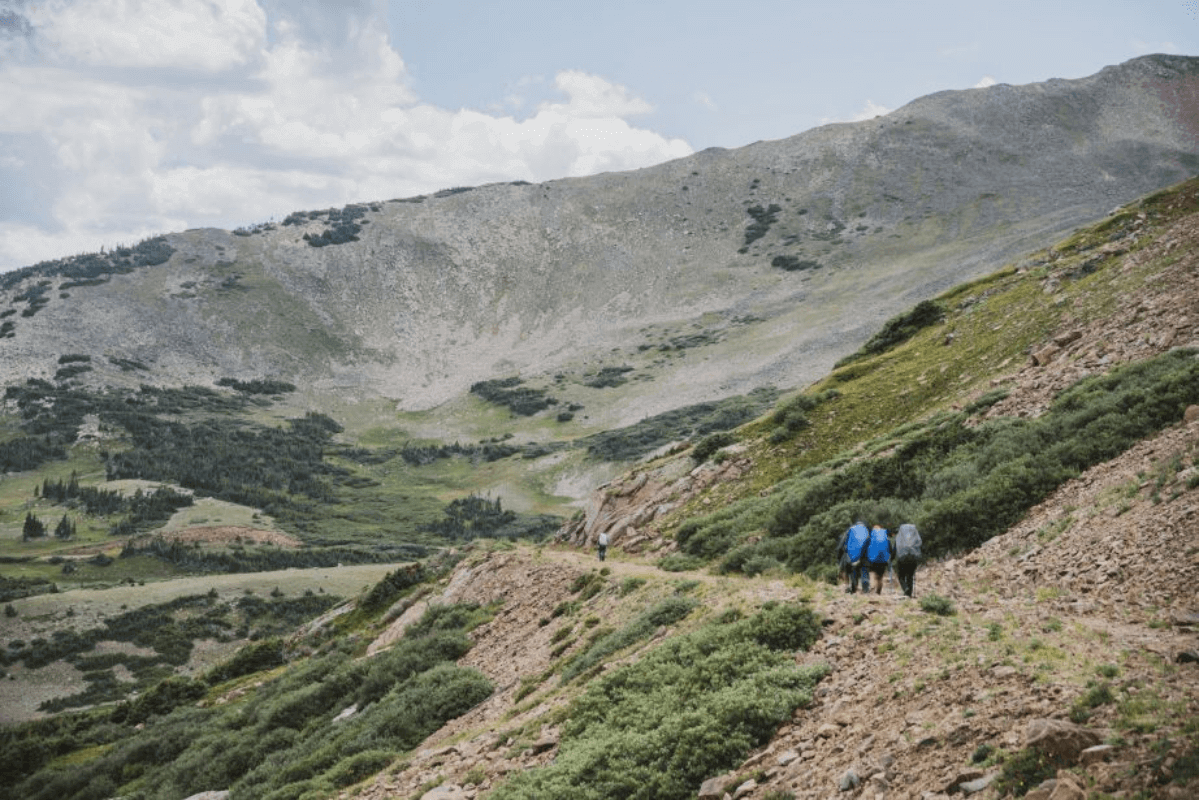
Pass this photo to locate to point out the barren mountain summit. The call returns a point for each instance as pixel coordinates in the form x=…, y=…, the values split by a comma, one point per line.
x=788, y=253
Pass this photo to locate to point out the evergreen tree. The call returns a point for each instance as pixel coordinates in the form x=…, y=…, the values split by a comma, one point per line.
x=65, y=529
x=33, y=529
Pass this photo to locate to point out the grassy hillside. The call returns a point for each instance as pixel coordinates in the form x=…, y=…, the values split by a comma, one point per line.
x=914, y=426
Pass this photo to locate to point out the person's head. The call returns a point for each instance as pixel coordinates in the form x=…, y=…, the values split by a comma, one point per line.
x=876, y=526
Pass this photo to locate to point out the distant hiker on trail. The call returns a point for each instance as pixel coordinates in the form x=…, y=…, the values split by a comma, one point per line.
x=602, y=545
x=855, y=549
x=879, y=553
x=908, y=556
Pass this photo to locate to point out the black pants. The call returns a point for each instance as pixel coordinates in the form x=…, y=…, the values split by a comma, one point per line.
x=906, y=572
x=603, y=549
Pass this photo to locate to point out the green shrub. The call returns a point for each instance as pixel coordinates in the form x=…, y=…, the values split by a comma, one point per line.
x=587, y=585
x=255, y=657
x=898, y=330
x=679, y=562
x=410, y=657
x=630, y=585
x=982, y=753
x=710, y=444
x=706, y=538
x=451, y=617
x=936, y=604
x=963, y=484
x=785, y=627
x=666, y=612
x=160, y=700
x=1024, y=770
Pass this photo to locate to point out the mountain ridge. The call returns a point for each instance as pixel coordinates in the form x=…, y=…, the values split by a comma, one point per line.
x=441, y=291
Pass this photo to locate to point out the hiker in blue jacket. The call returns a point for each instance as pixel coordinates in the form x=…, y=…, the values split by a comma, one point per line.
x=853, y=547
x=878, y=554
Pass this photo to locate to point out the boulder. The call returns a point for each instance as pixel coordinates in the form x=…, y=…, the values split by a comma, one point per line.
x=445, y=792
x=1059, y=739
x=745, y=789
x=713, y=788
x=1067, y=787
x=979, y=784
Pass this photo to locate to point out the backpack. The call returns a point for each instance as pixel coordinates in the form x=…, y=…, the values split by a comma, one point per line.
x=603, y=540
x=857, y=541
x=908, y=543
x=879, y=550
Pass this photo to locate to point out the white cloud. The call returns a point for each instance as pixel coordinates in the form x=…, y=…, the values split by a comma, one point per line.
x=702, y=99
x=984, y=82
x=207, y=35
x=870, y=110
x=1142, y=48
x=592, y=96
x=308, y=108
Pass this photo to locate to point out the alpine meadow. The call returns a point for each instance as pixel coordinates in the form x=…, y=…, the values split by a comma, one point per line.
x=310, y=509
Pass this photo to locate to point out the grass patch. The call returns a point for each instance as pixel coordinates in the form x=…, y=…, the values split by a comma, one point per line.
x=936, y=604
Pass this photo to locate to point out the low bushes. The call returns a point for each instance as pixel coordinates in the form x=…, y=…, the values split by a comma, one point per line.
x=960, y=483
x=665, y=612
x=692, y=708
x=280, y=742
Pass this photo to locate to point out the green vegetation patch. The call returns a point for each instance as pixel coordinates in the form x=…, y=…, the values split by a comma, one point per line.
x=899, y=329
x=666, y=612
x=279, y=741
x=476, y=517
x=169, y=630
x=524, y=401
x=960, y=483
x=690, y=709
x=643, y=438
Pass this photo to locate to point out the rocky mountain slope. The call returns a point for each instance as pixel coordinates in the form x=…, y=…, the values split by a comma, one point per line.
x=786, y=254
x=1071, y=637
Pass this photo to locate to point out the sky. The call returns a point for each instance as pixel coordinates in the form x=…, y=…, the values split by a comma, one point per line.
x=123, y=119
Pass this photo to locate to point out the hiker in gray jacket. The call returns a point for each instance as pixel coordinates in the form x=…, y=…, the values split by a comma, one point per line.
x=908, y=556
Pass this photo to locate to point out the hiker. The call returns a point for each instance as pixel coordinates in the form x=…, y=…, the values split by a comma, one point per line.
x=891, y=573
x=843, y=559
x=878, y=554
x=602, y=545
x=908, y=556
x=855, y=549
